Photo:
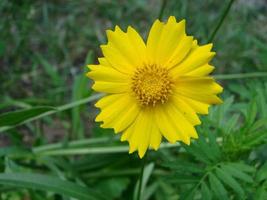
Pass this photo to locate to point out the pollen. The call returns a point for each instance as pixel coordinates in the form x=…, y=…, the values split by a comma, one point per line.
x=151, y=85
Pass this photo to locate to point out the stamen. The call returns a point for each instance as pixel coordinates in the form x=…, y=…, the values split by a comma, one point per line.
x=151, y=85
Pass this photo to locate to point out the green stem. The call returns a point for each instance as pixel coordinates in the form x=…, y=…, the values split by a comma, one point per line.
x=72, y=144
x=162, y=8
x=140, y=192
x=224, y=14
x=94, y=150
x=240, y=76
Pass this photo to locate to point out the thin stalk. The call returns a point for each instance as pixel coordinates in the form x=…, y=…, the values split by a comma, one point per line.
x=139, y=193
x=224, y=14
x=95, y=150
x=240, y=76
x=72, y=144
x=162, y=8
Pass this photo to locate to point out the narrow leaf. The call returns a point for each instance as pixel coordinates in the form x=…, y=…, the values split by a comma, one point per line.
x=235, y=172
x=47, y=183
x=230, y=181
x=16, y=117
x=205, y=192
x=217, y=187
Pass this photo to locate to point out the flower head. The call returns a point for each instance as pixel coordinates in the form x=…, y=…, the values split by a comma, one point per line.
x=154, y=89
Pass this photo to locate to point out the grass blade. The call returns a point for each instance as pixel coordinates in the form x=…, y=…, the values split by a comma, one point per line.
x=48, y=183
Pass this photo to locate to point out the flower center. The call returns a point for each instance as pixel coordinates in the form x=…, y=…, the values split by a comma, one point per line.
x=151, y=85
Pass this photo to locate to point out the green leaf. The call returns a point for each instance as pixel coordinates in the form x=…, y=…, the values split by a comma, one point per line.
x=56, y=110
x=15, y=117
x=262, y=173
x=147, y=173
x=181, y=165
x=205, y=192
x=252, y=113
x=182, y=178
x=197, y=152
x=243, y=167
x=235, y=172
x=230, y=181
x=217, y=187
x=48, y=183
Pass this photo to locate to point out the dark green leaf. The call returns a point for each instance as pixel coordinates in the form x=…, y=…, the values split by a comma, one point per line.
x=217, y=187
x=16, y=117
x=235, y=172
x=205, y=192
x=230, y=181
x=48, y=183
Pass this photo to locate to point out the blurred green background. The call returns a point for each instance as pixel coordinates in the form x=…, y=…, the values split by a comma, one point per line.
x=44, y=49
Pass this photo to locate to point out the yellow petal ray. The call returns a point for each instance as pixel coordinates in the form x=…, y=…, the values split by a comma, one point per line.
x=198, y=85
x=171, y=36
x=138, y=45
x=196, y=58
x=112, y=112
x=106, y=74
x=182, y=49
x=152, y=134
x=155, y=136
x=167, y=129
x=199, y=107
x=123, y=43
x=117, y=60
x=126, y=118
x=140, y=137
x=109, y=87
x=186, y=110
x=108, y=99
x=184, y=128
x=153, y=39
x=104, y=62
x=201, y=71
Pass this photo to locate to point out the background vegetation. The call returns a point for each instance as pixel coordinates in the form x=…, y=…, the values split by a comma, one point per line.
x=50, y=147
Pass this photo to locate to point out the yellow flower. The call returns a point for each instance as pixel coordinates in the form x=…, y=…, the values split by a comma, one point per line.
x=154, y=89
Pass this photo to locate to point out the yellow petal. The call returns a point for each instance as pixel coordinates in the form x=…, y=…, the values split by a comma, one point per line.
x=182, y=49
x=140, y=136
x=183, y=127
x=113, y=112
x=167, y=129
x=153, y=39
x=117, y=60
x=198, y=85
x=155, y=136
x=196, y=58
x=199, y=107
x=186, y=110
x=139, y=46
x=104, y=62
x=201, y=71
x=143, y=133
x=106, y=74
x=109, y=87
x=163, y=39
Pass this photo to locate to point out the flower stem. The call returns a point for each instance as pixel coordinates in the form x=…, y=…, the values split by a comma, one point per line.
x=162, y=8
x=224, y=14
x=139, y=193
x=240, y=76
